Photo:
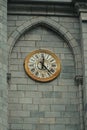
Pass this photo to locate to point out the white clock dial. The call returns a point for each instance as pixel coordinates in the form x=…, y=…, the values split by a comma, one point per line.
x=42, y=65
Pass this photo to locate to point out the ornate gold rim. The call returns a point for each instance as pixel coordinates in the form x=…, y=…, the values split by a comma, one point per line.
x=27, y=70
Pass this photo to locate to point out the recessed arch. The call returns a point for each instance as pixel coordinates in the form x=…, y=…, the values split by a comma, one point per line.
x=56, y=27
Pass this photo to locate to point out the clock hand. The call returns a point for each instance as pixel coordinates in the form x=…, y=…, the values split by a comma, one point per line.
x=42, y=61
x=47, y=69
x=43, y=66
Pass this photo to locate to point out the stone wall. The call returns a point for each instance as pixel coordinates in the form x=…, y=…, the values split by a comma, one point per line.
x=83, y=26
x=70, y=23
x=3, y=65
x=43, y=106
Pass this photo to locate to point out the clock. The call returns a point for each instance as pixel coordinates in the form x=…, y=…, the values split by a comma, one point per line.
x=42, y=65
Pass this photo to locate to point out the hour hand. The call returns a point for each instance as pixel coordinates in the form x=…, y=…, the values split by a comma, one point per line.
x=42, y=59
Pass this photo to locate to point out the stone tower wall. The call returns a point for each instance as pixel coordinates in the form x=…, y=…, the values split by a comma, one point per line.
x=43, y=106
x=3, y=65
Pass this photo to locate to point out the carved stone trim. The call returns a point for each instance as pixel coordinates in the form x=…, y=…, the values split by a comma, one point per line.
x=81, y=7
x=79, y=79
x=40, y=7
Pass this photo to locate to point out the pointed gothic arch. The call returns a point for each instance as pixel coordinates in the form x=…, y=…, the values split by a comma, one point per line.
x=54, y=26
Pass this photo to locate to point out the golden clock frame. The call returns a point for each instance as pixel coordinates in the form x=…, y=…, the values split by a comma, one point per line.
x=27, y=70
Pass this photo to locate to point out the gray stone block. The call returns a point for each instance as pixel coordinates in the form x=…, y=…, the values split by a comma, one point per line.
x=18, y=74
x=27, y=126
x=52, y=114
x=30, y=81
x=68, y=62
x=72, y=107
x=14, y=67
x=16, y=126
x=36, y=114
x=16, y=94
x=12, y=23
x=68, y=19
x=41, y=127
x=49, y=101
x=76, y=25
x=25, y=100
x=52, y=94
x=24, y=17
x=30, y=107
x=13, y=87
x=67, y=75
x=49, y=38
x=33, y=94
x=32, y=120
x=49, y=44
x=72, y=127
x=15, y=120
x=20, y=113
x=27, y=87
x=66, y=82
x=68, y=69
x=67, y=25
x=25, y=43
x=44, y=108
x=45, y=88
x=47, y=120
x=57, y=107
x=62, y=50
x=13, y=100
x=26, y=49
x=18, y=80
x=63, y=121
x=11, y=17
x=57, y=127
x=15, y=106
x=35, y=37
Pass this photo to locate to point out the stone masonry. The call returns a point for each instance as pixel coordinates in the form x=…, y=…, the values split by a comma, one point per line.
x=3, y=65
x=83, y=25
x=34, y=105
x=59, y=26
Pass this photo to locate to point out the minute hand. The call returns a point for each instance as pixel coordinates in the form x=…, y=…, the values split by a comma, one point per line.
x=46, y=68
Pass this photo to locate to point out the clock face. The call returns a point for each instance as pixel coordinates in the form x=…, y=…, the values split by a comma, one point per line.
x=42, y=65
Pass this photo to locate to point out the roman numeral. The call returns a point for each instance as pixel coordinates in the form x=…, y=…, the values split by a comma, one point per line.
x=32, y=69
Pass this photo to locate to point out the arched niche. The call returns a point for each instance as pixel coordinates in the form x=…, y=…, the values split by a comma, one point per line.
x=54, y=26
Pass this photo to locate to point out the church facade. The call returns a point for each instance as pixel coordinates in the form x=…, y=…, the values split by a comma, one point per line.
x=49, y=35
